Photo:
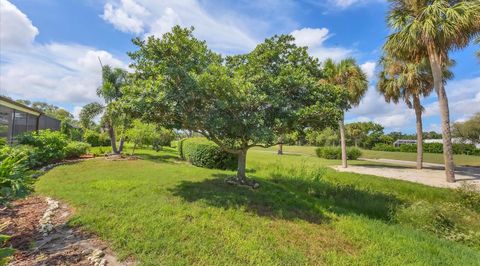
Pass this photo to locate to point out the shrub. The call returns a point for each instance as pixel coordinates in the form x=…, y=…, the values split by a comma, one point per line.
x=15, y=177
x=467, y=149
x=385, y=147
x=458, y=148
x=162, y=137
x=335, y=153
x=75, y=149
x=409, y=147
x=203, y=153
x=96, y=139
x=450, y=221
x=48, y=146
x=3, y=142
x=180, y=148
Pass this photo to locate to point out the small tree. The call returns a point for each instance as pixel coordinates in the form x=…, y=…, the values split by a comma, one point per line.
x=468, y=130
x=238, y=102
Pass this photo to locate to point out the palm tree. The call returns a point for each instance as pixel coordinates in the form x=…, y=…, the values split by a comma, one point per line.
x=348, y=75
x=400, y=79
x=112, y=81
x=432, y=28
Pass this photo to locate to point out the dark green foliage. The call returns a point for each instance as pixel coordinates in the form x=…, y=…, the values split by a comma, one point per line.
x=15, y=178
x=203, y=153
x=5, y=252
x=335, y=153
x=385, y=147
x=47, y=146
x=3, y=142
x=96, y=139
x=70, y=131
x=458, y=148
x=75, y=149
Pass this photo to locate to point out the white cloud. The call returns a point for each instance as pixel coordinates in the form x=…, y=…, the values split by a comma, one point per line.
x=343, y=4
x=463, y=102
x=314, y=39
x=310, y=37
x=16, y=30
x=369, y=69
x=223, y=33
x=76, y=112
x=55, y=72
x=125, y=16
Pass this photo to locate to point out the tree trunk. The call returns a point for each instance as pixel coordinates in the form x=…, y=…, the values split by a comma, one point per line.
x=436, y=65
x=120, y=146
x=134, y=147
x=418, y=115
x=342, y=143
x=113, y=141
x=280, y=149
x=242, y=163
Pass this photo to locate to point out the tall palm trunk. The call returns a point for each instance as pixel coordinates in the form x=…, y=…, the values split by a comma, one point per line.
x=342, y=142
x=436, y=65
x=418, y=115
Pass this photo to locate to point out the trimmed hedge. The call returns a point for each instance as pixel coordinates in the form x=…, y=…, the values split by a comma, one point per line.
x=335, y=153
x=385, y=147
x=204, y=153
x=458, y=148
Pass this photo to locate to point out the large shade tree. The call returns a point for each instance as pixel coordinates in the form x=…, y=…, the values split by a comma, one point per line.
x=347, y=75
x=238, y=102
x=407, y=81
x=431, y=29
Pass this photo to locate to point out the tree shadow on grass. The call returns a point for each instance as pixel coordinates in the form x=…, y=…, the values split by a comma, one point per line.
x=163, y=158
x=289, y=199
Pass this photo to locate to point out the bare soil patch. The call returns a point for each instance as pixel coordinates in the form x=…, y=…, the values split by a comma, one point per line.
x=25, y=221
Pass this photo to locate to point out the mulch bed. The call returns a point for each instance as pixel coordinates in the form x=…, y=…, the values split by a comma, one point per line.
x=62, y=246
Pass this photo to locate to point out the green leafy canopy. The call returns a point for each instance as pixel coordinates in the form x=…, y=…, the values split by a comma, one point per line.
x=237, y=101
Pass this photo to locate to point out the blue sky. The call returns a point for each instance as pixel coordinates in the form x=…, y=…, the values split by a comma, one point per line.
x=49, y=49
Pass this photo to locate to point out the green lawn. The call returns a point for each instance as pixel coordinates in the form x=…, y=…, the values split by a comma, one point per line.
x=162, y=211
x=459, y=159
x=467, y=160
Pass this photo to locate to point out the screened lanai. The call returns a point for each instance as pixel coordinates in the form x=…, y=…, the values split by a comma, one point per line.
x=16, y=118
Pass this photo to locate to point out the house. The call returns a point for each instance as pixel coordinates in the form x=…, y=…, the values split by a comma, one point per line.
x=399, y=142
x=17, y=118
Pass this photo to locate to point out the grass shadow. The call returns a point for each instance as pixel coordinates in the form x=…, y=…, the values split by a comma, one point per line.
x=289, y=198
x=163, y=158
x=270, y=200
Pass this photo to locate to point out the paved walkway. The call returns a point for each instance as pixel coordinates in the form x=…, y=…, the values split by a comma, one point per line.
x=432, y=174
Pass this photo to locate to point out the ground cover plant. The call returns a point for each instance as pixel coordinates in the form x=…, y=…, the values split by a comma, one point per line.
x=161, y=209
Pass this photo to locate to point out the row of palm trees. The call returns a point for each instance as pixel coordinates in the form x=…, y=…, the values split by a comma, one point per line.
x=415, y=62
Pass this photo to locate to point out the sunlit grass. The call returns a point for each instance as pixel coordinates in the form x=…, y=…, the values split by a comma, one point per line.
x=160, y=210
